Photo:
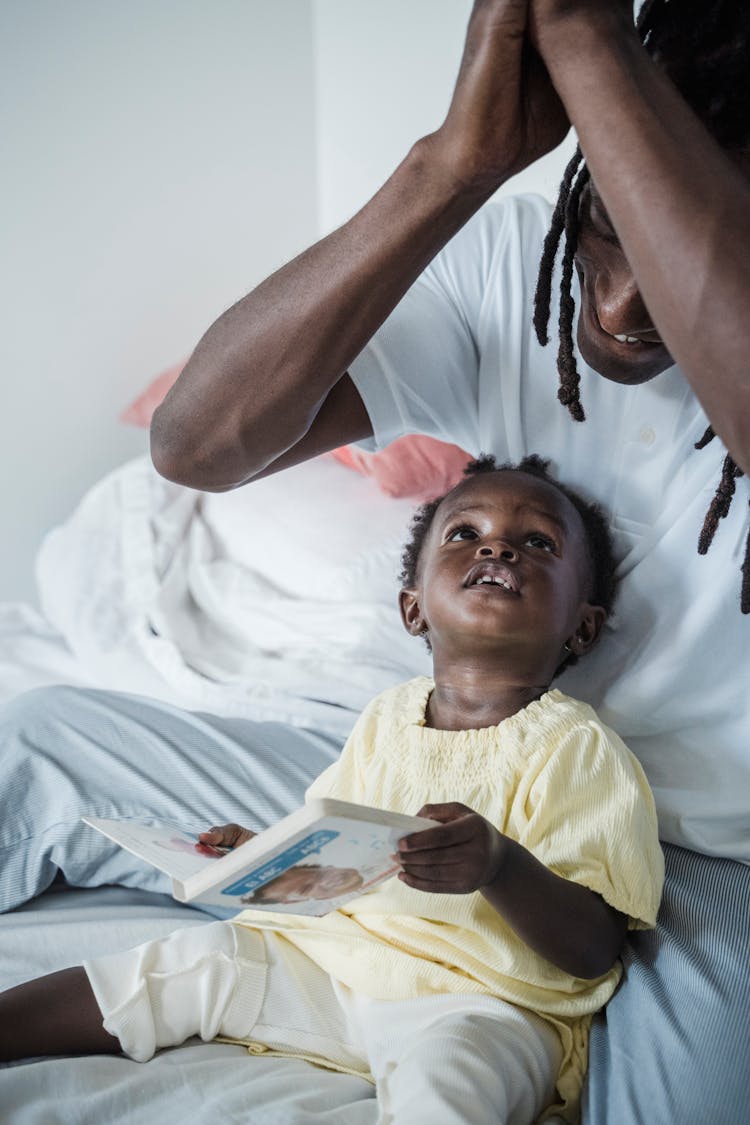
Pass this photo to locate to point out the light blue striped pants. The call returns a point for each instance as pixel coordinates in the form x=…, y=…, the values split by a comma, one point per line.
x=670, y=1049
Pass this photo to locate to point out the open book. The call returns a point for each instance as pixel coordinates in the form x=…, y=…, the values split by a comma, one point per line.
x=311, y=862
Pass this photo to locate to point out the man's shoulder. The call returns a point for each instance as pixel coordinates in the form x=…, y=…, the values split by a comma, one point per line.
x=527, y=208
x=509, y=230
x=518, y=221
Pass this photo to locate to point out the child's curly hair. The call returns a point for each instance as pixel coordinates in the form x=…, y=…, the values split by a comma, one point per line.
x=599, y=546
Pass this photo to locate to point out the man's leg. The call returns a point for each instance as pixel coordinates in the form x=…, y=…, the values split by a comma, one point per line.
x=70, y=752
x=672, y=1044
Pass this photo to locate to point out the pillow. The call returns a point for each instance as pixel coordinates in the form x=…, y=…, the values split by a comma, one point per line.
x=414, y=467
x=141, y=410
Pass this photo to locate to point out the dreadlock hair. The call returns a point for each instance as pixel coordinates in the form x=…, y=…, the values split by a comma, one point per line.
x=703, y=46
x=598, y=541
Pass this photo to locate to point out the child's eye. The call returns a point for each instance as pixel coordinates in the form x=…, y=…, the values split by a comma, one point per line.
x=460, y=533
x=536, y=539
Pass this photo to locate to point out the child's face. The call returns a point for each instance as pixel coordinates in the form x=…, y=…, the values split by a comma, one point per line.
x=504, y=565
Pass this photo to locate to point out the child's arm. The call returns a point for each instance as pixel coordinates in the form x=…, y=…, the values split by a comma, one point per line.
x=563, y=922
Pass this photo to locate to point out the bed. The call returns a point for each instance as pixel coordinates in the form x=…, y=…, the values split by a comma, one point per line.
x=276, y=601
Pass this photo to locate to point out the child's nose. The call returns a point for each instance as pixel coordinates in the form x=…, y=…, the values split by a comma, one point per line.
x=500, y=550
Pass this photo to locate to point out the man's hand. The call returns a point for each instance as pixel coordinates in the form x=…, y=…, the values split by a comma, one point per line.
x=463, y=855
x=505, y=113
x=225, y=836
x=547, y=18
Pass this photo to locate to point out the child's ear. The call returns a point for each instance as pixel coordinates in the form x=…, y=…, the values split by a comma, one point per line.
x=411, y=614
x=588, y=629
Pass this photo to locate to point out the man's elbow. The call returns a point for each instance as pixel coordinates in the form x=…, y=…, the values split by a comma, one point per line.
x=169, y=453
x=181, y=456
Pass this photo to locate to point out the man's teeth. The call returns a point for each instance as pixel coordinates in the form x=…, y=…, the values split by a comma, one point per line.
x=626, y=339
x=493, y=581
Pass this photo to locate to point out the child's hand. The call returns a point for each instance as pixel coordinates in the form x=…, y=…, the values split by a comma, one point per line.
x=463, y=855
x=225, y=836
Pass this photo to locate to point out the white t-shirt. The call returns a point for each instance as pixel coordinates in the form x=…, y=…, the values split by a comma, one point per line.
x=458, y=359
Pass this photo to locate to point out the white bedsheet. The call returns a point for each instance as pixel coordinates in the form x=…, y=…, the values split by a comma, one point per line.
x=201, y=1083
x=33, y=653
x=276, y=602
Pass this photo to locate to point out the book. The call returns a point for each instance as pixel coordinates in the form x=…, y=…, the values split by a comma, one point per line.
x=311, y=862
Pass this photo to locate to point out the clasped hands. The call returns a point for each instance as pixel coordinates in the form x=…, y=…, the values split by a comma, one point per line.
x=505, y=112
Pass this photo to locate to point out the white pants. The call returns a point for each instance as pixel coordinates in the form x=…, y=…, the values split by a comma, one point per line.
x=447, y=1059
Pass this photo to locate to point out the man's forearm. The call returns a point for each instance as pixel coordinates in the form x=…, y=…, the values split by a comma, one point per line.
x=257, y=378
x=679, y=204
x=260, y=384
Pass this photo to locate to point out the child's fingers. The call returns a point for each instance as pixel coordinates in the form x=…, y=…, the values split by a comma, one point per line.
x=433, y=858
x=215, y=836
x=452, y=886
x=441, y=875
x=226, y=835
x=448, y=835
x=444, y=811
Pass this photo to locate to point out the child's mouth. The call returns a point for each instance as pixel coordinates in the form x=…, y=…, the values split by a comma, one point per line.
x=494, y=576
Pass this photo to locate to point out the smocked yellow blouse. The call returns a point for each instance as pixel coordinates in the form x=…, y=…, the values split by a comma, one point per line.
x=552, y=777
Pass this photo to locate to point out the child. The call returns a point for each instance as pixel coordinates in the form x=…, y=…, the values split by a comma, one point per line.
x=465, y=987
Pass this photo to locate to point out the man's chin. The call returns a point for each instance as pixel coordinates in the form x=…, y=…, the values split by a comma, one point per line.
x=627, y=364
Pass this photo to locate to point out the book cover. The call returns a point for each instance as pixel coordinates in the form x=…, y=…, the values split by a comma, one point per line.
x=311, y=862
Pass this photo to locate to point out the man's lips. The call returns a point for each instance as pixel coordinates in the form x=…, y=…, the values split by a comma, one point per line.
x=493, y=576
x=632, y=343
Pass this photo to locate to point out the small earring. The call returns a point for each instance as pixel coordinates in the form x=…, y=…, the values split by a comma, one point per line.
x=567, y=647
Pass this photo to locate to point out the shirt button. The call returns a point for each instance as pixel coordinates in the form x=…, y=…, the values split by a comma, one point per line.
x=647, y=435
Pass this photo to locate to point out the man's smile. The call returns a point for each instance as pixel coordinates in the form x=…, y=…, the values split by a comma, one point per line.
x=628, y=358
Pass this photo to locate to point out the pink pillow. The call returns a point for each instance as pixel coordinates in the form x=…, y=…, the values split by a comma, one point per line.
x=140, y=411
x=414, y=466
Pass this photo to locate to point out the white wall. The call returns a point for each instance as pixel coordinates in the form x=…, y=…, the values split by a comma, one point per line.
x=384, y=76
x=160, y=157
x=158, y=160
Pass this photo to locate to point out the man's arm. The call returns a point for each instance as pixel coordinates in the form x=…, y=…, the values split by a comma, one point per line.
x=266, y=386
x=679, y=204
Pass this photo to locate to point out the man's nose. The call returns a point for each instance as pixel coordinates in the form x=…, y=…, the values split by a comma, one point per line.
x=619, y=304
x=499, y=550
